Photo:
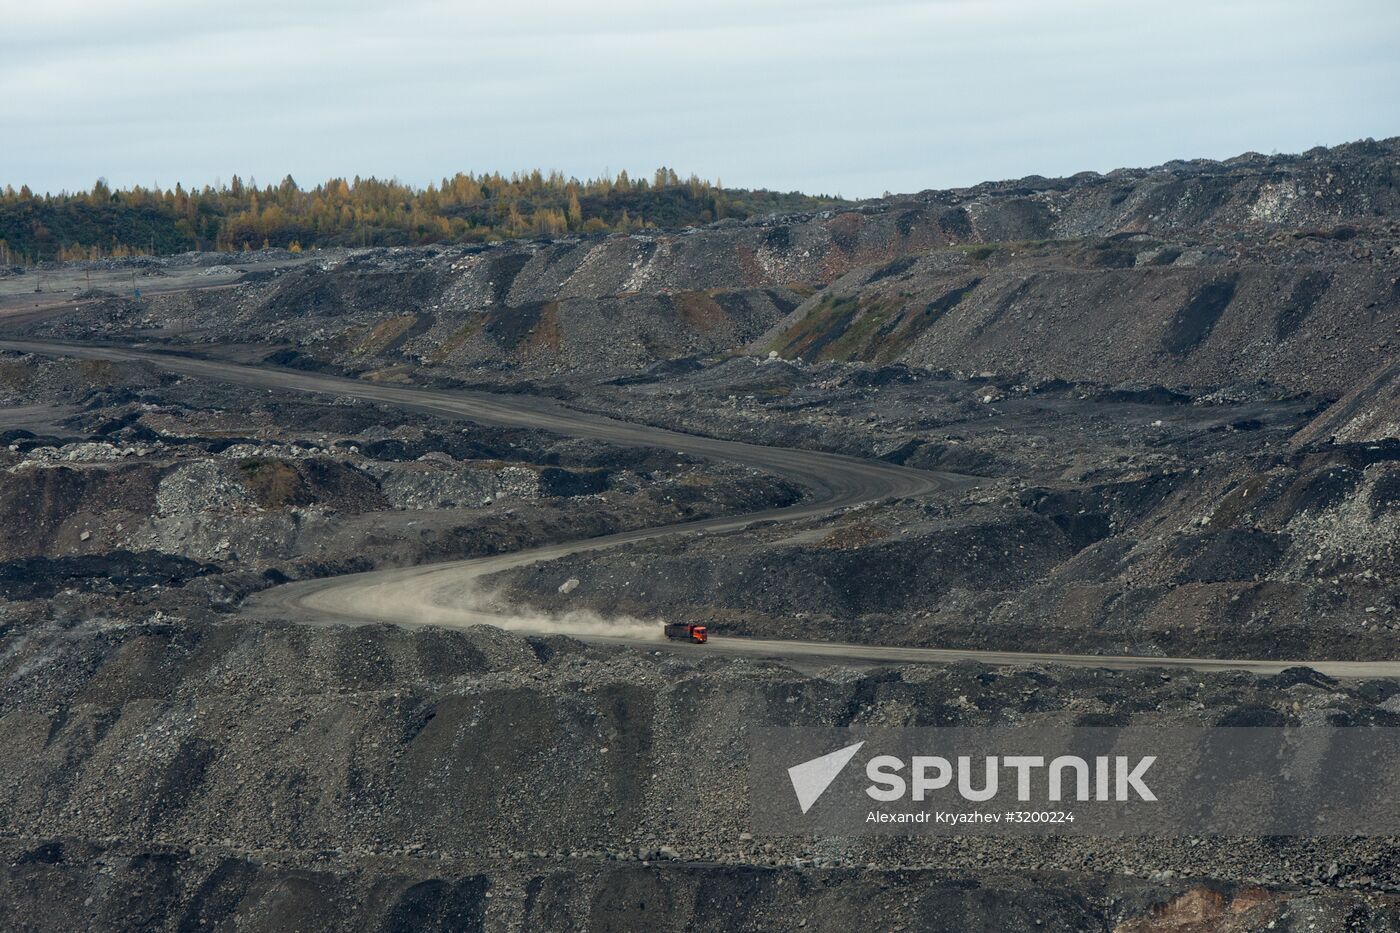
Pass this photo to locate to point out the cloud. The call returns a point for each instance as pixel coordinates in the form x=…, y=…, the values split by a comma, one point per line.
x=823, y=95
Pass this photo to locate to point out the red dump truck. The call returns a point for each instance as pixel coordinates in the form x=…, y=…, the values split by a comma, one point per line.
x=683, y=631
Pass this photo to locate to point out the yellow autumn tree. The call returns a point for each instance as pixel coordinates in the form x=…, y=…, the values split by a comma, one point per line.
x=361, y=211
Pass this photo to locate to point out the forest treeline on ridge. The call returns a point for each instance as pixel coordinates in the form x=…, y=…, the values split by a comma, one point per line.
x=466, y=208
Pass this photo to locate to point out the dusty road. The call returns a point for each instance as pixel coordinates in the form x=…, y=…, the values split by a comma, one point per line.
x=457, y=593
x=42, y=293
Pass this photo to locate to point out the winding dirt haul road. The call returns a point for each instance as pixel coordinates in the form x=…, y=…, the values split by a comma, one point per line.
x=453, y=593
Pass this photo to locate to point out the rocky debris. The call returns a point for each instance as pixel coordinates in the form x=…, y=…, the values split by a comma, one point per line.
x=442, y=483
x=216, y=885
x=1174, y=386
x=25, y=378
x=232, y=739
x=1166, y=502
x=1369, y=412
x=1297, y=562
x=1303, y=315
x=201, y=486
x=1214, y=272
x=1111, y=513
x=85, y=452
x=264, y=451
x=252, y=482
x=114, y=571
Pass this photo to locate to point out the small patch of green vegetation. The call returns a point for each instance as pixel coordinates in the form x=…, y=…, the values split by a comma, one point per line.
x=980, y=252
x=15, y=375
x=397, y=373
x=458, y=337
x=823, y=324
x=876, y=328
x=860, y=340
x=384, y=333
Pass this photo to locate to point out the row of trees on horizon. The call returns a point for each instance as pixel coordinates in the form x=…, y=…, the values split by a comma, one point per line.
x=466, y=208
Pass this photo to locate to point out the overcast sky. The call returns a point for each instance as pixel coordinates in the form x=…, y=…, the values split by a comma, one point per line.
x=836, y=96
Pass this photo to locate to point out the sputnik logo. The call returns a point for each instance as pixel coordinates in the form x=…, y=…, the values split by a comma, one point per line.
x=811, y=778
